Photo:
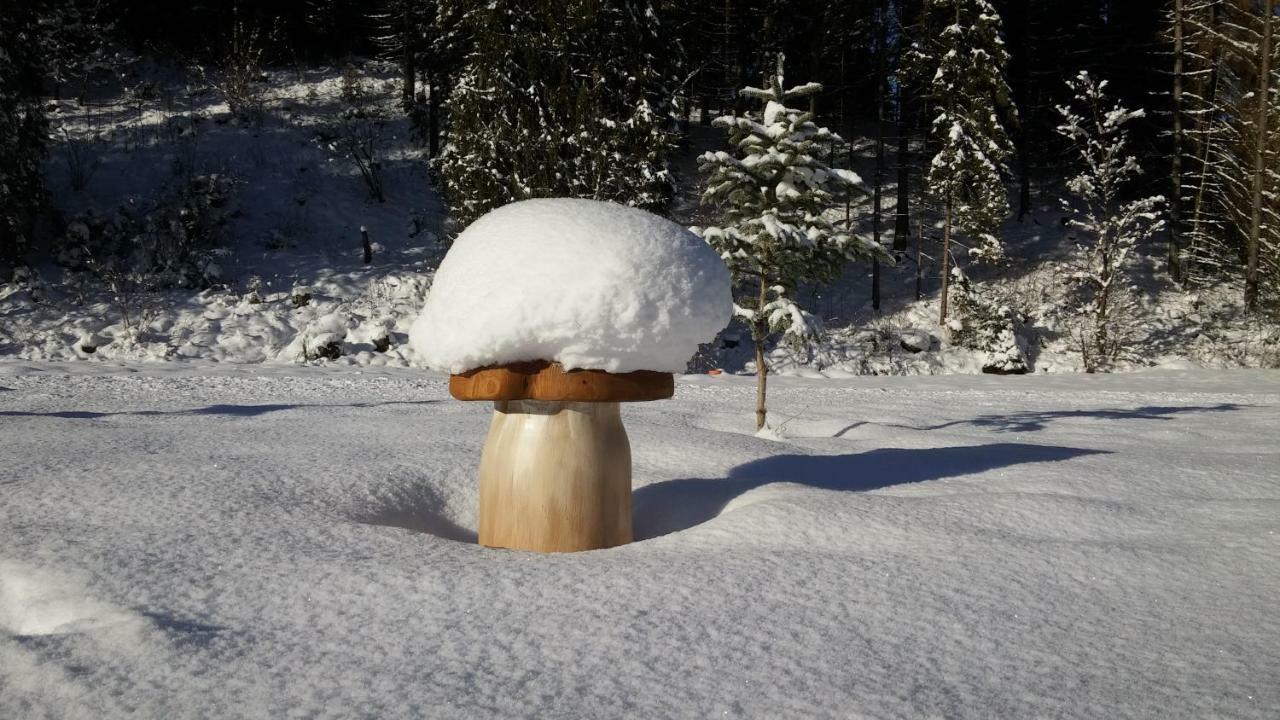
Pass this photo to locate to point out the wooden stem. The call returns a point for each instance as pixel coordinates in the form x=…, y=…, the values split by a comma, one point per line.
x=555, y=477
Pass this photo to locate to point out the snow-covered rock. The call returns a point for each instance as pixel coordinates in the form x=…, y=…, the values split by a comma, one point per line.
x=915, y=341
x=588, y=284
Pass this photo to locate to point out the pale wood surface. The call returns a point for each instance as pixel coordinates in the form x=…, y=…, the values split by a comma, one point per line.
x=555, y=477
x=549, y=381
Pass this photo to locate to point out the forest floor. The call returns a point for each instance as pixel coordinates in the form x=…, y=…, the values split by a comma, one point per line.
x=188, y=540
x=296, y=232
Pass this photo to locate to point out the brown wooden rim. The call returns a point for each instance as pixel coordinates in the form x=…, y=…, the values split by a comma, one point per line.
x=542, y=380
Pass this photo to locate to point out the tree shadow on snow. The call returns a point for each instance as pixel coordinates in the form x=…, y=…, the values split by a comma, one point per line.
x=233, y=410
x=676, y=505
x=184, y=631
x=419, y=508
x=1031, y=420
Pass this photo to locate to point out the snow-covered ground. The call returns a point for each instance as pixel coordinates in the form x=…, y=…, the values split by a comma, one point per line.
x=180, y=540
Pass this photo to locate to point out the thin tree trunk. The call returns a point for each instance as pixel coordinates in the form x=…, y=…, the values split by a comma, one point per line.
x=946, y=261
x=1019, y=25
x=1206, y=133
x=1175, y=203
x=409, y=61
x=433, y=115
x=760, y=334
x=878, y=200
x=919, y=260
x=902, y=213
x=1259, y=155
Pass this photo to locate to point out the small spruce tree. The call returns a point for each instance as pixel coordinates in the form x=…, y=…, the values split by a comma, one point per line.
x=1110, y=228
x=775, y=191
x=961, y=67
x=990, y=326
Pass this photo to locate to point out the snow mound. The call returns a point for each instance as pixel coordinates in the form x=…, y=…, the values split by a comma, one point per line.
x=588, y=284
x=37, y=602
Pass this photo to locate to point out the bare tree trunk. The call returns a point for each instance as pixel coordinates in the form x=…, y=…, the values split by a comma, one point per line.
x=1019, y=25
x=408, y=63
x=902, y=213
x=919, y=260
x=878, y=201
x=1206, y=133
x=433, y=115
x=760, y=333
x=1259, y=154
x=1175, y=203
x=946, y=261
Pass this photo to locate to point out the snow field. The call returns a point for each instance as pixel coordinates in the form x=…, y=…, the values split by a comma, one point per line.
x=186, y=541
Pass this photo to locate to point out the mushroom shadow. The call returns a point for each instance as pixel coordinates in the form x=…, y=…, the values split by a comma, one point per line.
x=675, y=505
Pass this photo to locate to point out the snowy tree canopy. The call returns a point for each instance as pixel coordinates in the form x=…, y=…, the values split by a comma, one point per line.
x=1109, y=227
x=961, y=60
x=557, y=101
x=775, y=190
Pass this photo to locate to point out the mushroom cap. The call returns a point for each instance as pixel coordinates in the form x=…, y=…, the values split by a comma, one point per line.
x=549, y=381
x=587, y=284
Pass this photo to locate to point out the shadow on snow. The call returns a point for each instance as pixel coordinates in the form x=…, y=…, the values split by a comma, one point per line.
x=675, y=505
x=1032, y=420
x=233, y=410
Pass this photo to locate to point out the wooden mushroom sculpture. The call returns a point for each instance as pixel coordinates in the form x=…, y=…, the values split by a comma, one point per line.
x=557, y=311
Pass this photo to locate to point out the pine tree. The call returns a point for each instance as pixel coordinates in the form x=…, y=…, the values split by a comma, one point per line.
x=1110, y=228
x=557, y=101
x=776, y=191
x=964, y=58
x=41, y=41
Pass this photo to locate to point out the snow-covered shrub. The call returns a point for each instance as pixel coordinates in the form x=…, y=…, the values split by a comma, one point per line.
x=322, y=339
x=238, y=74
x=359, y=130
x=987, y=325
x=173, y=241
x=80, y=153
x=1110, y=228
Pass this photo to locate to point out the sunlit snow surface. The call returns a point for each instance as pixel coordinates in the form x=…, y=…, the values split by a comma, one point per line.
x=180, y=541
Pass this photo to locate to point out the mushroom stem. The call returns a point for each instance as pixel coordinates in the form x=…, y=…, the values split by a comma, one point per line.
x=555, y=477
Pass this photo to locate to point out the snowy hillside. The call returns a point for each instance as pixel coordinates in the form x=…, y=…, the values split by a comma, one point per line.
x=292, y=287
x=186, y=541
x=291, y=280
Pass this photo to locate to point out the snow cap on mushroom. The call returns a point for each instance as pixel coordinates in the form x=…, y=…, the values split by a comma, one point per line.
x=588, y=284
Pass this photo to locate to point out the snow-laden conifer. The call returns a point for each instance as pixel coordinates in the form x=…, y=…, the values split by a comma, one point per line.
x=960, y=60
x=776, y=192
x=560, y=100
